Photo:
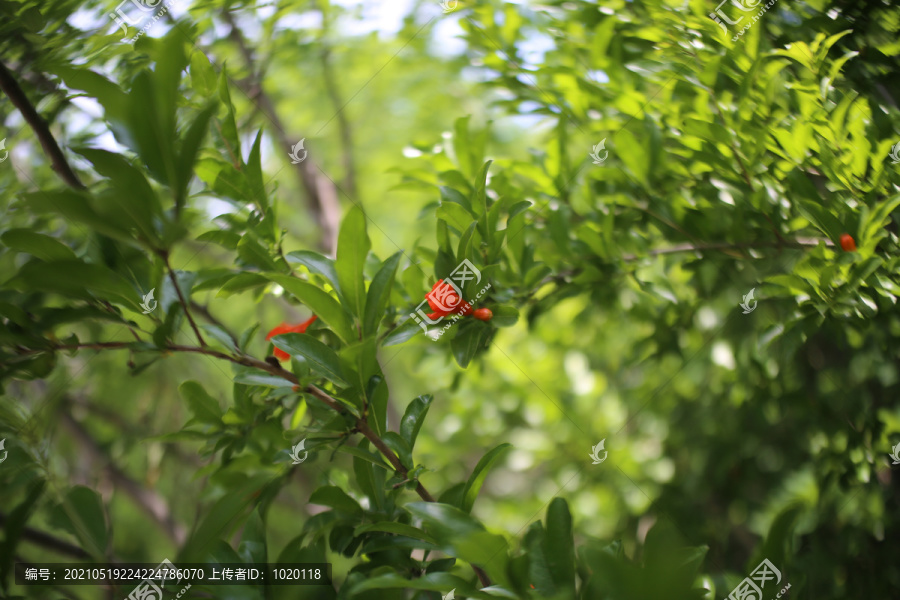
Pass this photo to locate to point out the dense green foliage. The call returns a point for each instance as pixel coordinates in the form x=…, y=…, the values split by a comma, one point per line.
x=622, y=175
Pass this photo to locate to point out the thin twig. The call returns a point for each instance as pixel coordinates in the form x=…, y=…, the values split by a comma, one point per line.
x=321, y=192
x=11, y=88
x=204, y=312
x=45, y=540
x=796, y=243
x=338, y=104
x=181, y=299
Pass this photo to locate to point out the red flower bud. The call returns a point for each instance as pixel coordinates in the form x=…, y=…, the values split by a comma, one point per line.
x=848, y=243
x=483, y=314
x=285, y=328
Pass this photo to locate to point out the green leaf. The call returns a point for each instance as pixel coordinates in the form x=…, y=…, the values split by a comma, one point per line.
x=223, y=237
x=255, y=175
x=353, y=247
x=76, y=206
x=204, y=407
x=39, y=245
x=322, y=359
x=404, y=332
x=190, y=148
x=239, y=283
x=81, y=513
x=461, y=145
x=400, y=447
x=560, y=544
x=468, y=341
x=253, y=253
x=336, y=498
x=132, y=201
x=252, y=548
x=251, y=376
x=462, y=536
x=455, y=215
x=476, y=480
x=465, y=243
x=203, y=76
x=223, y=514
x=452, y=195
x=316, y=263
x=151, y=125
x=324, y=306
x=479, y=196
x=379, y=294
x=228, y=124
x=505, y=316
x=445, y=520
x=397, y=528
x=413, y=418
x=15, y=526
x=76, y=278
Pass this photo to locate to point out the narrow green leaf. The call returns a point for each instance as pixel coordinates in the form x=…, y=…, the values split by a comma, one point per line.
x=379, y=294
x=336, y=498
x=81, y=513
x=204, y=407
x=316, y=263
x=353, y=247
x=397, y=528
x=404, y=332
x=468, y=341
x=559, y=543
x=253, y=253
x=190, y=148
x=255, y=176
x=76, y=278
x=455, y=216
x=476, y=480
x=322, y=359
x=223, y=513
x=39, y=245
x=133, y=202
x=203, y=76
x=324, y=306
x=413, y=418
x=400, y=447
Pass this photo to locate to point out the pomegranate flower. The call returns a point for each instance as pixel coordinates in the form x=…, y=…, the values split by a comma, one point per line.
x=444, y=301
x=285, y=328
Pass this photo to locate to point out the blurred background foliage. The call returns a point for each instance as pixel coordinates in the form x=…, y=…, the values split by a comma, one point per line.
x=732, y=165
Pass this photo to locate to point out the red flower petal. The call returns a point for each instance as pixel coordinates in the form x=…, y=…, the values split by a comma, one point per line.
x=285, y=328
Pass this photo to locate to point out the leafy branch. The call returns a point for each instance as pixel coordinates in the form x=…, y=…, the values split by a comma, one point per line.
x=360, y=424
